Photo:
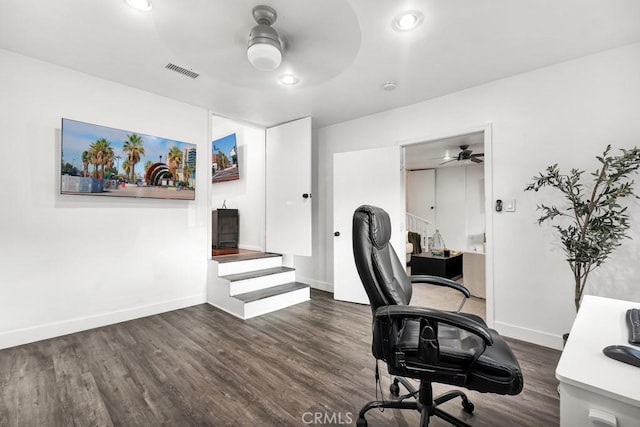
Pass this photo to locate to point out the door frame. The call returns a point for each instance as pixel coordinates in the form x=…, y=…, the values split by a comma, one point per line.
x=488, y=202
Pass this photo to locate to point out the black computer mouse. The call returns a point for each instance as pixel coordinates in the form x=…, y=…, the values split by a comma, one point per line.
x=623, y=354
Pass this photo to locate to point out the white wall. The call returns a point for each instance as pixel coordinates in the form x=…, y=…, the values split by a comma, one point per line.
x=460, y=206
x=475, y=207
x=248, y=193
x=451, y=207
x=69, y=263
x=565, y=113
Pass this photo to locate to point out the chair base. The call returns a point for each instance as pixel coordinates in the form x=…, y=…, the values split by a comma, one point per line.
x=425, y=403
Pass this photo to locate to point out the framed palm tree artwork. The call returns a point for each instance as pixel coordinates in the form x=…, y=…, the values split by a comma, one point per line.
x=102, y=161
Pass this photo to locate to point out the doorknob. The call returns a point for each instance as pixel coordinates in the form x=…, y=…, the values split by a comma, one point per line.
x=306, y=196
x=337, y=233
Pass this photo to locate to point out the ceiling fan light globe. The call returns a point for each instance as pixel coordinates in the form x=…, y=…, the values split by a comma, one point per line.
x=265, y=50
x=264, y=57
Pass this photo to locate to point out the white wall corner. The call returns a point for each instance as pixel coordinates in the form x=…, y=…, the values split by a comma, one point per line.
x=544, y=339
x=316, y=284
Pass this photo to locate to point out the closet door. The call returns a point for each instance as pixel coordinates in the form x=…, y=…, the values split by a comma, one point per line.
x=421, y=194
x=288, y=188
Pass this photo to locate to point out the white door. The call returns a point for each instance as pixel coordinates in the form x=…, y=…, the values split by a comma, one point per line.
x=288, y=188
x=372, y=177
x=421, y=194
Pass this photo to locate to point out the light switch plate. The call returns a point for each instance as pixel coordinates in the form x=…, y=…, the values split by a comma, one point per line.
x=510, y=205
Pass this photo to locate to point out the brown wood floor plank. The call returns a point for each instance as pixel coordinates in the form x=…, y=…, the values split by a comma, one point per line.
x=201, y=366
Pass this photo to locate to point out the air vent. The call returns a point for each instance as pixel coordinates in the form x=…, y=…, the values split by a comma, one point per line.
x=179, y=69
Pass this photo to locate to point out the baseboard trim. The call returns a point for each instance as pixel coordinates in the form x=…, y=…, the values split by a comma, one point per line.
x=316, y=284
x=544, y=339
x=56, y=329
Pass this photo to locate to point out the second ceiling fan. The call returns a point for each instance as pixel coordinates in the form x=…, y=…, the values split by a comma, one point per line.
x=465, y=154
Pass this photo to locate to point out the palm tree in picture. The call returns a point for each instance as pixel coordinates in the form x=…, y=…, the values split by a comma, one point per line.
x=86, y=160
x=174, y=159
x=134, y=149
x=109, y=158
x=126, y=167
x=186, y=170
x=93, y=153
x=99, y=151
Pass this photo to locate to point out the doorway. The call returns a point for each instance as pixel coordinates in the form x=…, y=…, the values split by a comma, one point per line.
x=448, y=188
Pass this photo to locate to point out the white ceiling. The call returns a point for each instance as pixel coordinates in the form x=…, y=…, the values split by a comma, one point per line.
x=342, y=50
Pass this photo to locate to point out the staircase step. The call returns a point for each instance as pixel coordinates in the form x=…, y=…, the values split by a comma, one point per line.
x=257, y=273
x=246, y=262
x=270, y=292
x=244, y=257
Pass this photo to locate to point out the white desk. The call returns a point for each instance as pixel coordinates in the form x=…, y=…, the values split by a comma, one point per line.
x=589, y=380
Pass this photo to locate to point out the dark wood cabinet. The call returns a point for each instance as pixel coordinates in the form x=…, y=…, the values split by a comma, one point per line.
x=225, y=226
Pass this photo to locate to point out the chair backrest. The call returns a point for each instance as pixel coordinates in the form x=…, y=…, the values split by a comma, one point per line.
x=381, y=272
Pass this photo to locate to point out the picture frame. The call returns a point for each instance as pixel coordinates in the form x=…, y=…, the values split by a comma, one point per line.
x=103, y=161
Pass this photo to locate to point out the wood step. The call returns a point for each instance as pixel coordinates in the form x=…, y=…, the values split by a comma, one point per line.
x=238, y=265
x=257, y=273
x=244, y=257
x=270, y=292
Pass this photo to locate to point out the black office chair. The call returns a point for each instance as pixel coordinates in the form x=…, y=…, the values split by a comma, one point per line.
x=429, y=345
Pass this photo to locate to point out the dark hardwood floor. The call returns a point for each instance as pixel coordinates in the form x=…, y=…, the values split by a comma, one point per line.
x=305, y=365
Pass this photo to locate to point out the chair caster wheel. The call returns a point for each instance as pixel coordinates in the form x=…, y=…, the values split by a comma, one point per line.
x=394, y=388
x=468, y=407
x=361, y=422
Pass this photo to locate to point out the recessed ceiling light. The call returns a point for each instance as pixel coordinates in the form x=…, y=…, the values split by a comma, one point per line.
x=288, y=79
x=407, y=20
x=143, y=5
x=390, y=85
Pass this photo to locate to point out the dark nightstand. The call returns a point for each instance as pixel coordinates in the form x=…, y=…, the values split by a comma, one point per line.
x=436, y=265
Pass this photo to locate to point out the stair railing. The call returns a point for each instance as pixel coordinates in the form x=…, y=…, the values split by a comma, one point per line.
x=421, y=226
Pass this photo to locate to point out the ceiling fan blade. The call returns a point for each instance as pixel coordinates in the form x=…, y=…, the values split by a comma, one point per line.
x=475, y=160
x=478, y=155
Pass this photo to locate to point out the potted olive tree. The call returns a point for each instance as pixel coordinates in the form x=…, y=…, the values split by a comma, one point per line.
x=593, y=222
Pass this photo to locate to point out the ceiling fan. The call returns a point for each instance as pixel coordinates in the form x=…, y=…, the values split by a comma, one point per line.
x=466, y=154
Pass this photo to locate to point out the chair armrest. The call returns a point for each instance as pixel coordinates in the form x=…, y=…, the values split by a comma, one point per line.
x=441, y=281
x=454, y=319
